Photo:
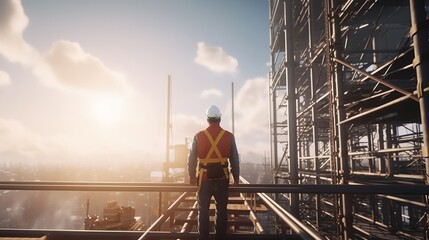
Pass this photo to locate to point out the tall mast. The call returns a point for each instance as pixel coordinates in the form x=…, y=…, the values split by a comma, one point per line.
x=168, y=140
x=232, y=107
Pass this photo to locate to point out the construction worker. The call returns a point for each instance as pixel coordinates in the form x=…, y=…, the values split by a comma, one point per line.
x=214, y=151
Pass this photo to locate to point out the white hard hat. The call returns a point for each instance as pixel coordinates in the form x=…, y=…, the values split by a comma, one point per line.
x=213, y=112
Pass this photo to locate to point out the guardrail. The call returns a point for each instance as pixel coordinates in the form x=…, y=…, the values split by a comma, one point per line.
x=244, y=188
x=301, y=230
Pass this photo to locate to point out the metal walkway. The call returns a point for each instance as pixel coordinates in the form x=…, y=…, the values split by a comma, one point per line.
x=251, y=208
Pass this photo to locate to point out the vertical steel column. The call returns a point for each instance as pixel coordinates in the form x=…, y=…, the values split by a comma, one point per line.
x=160, y=203
x=389, y=159
x=370, y=148
x=232, y=108
x=332, y=121
x=273, y=94
x=168, y=137
x=393, y=227
x=419, y=34
x=380, y=145
x=274, y=148
x=166, y=173
x=339, y=95
x=313, y=89
x=372, y=168
x=374, y=207
x=339, y=114
x=273, y=103
x=273, y=136
x=379, y=127
x=291, y=104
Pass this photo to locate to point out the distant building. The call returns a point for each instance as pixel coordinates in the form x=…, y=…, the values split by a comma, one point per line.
x=156, y=176
x=114, y=218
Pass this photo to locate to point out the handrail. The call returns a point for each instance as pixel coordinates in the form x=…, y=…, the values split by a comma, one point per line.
x=302, y=230
x=297, y=227
x=157, y=224
x=244, y=188
x=187, y=226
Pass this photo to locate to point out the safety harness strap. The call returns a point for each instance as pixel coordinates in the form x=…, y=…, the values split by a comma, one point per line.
x=219, y=159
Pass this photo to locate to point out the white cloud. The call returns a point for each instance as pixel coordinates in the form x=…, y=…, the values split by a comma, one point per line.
x=4, y=78
x=18, y=141
x=185, y=126
x=252, y=118
x=13, y=22
x=215, y=59
x=251, y=105
x=212, y=92
x=67, y=65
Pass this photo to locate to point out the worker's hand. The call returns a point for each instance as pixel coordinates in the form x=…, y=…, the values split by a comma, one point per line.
x=193, y=181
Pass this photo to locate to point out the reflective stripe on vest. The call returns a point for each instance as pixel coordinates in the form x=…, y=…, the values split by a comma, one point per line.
x=219, y=159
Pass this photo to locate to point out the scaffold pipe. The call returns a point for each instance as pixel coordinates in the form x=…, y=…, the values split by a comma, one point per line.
x=244, y=188
x=157, y=224
x=297, y=227
x=377, y=79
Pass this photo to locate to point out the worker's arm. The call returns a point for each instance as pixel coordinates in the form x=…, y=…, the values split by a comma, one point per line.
x=192, y=162
x=235, y=162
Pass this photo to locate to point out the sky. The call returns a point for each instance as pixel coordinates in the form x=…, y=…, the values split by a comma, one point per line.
x=86, y=81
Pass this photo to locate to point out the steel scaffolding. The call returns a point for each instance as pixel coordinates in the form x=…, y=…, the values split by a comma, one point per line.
x=349, y=105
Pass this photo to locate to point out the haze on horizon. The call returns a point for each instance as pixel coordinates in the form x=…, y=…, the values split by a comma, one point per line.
x=86, y=81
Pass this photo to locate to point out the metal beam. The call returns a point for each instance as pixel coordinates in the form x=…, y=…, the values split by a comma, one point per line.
x=258, y=228
x=157, y=224
x=419, y=34
x=192, y=214
x=291, y=103
x=296, y=225
x=243, y=188
x=55, y=234
x=385, y=83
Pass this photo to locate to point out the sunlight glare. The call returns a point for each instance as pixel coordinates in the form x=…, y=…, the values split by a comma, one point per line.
x=107, y=109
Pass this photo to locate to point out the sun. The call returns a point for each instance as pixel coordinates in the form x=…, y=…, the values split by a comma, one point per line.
x=107, y=109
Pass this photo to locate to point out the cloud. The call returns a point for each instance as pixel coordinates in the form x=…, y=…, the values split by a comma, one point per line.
x=18, y=141
x=13, y=22
x=212, y=92
x=252, y=106
x=185, y=126
x=67, y=65
x=215, y=59
x=252, y=118
x=4, y=78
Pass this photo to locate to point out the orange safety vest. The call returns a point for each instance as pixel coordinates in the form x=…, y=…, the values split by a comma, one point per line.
x=213, y=154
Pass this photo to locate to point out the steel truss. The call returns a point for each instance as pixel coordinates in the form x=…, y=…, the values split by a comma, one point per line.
x=348, y=97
